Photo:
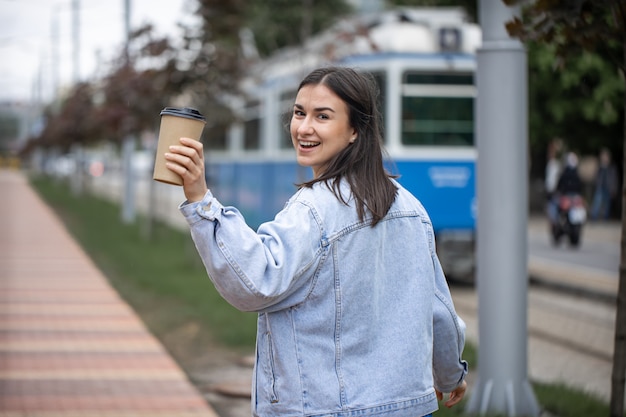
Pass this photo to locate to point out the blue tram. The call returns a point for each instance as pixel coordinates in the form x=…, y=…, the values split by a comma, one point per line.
x=424, y=62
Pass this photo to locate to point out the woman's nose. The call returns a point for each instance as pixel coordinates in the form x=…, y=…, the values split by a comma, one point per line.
x=305, y=126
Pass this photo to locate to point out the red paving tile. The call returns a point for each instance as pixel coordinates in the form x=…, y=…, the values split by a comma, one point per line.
x=93, y=361
x=69, y=345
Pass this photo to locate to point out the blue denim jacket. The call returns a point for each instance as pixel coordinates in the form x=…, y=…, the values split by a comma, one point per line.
x=353, y=320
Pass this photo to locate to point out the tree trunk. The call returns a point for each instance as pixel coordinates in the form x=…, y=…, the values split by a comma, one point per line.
x=618, y=377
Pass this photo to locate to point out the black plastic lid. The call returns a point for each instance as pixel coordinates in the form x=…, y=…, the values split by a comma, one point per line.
x=187, y=112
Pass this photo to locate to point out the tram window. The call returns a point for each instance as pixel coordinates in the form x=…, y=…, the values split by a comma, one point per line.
x=252, y=126
x=381, y=80
x=252, y=134
x=438, y=121
x=438, y=109
x=286, y=108
x=215, y=138
x=438, y=79
x=285, y=134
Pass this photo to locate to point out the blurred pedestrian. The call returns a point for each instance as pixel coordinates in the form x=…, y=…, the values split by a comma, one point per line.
x=569, y=183
x=605, y=187
x=355, y=315
x=553, y=169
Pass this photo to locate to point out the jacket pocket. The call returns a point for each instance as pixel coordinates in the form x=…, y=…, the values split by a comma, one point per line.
x=271, y=374
x=266, y=375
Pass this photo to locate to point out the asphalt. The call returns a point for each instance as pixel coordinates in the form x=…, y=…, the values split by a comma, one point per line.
x=603, y=236
x=71, y=346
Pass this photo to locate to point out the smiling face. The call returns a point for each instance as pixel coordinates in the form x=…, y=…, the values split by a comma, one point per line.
x=320, y=127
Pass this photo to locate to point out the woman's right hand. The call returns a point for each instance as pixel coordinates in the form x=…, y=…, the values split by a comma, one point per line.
x=187, y=160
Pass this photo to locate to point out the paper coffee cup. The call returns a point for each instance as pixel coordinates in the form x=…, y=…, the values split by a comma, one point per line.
x=175, y=124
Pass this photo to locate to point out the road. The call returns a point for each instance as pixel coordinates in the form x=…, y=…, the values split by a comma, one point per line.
x=571, y=302
x=571, y=307
x=595, y=252
x=570, y=337
x=593, y=267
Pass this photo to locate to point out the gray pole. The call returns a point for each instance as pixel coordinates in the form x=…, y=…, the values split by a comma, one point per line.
x=128, y=146
x=127, y=29
x=502, y=386
x=55, y=53
x=76, y=39
x=78, y=179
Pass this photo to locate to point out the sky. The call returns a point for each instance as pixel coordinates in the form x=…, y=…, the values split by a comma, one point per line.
x=27, y=41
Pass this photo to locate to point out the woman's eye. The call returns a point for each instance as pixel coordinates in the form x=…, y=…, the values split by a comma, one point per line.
x=298, y=113
x=323, y=116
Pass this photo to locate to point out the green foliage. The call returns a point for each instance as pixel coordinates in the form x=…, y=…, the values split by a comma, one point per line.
x=73, y=122
x=576, y=78
x=572, y=25
x=163, y=279
x=280, y=23
x=580, y=102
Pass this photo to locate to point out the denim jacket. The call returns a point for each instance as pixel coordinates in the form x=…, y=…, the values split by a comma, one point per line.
x=353, y=320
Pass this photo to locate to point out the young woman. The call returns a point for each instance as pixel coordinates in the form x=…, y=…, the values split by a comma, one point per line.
x=355, y=315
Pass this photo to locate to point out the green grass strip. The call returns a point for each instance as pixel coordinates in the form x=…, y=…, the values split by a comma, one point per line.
x=161, y=277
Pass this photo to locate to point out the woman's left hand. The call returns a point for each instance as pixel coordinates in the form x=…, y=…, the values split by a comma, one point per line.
x=455, y=396
x=187, y=160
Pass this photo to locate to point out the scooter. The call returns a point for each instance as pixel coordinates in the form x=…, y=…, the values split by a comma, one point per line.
x=571, y=216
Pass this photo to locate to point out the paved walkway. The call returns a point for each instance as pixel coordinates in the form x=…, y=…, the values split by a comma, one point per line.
x=69, y=345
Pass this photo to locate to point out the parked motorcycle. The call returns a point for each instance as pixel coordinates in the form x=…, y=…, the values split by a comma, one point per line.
x=570, y=218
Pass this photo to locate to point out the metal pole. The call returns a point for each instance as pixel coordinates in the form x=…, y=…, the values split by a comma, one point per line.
x=55, y=52
x=76, y=39
x=128, y=146
x=502, y=171
x=126, y=29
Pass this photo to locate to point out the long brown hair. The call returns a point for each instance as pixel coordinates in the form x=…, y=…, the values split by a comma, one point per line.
x=360, y=163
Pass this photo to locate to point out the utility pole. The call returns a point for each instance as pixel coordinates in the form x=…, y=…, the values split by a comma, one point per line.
x=54, y=40
x=128, y=146
x=78, y=179
x=76, y=39
x=127, y=30
x=502, y=387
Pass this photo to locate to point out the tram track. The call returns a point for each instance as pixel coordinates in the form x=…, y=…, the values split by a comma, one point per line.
x=570, y=336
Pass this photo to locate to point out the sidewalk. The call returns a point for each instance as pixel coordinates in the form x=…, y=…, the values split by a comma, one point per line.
x=69, y=345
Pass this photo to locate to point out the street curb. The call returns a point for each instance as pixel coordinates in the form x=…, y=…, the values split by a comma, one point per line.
x=573, y=289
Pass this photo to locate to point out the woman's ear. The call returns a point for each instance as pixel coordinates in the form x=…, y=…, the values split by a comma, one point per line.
x=354, y=136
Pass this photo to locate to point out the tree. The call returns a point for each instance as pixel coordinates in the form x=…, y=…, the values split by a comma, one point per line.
x=580, y=102
x=209, y=60
x=600, y=26
x=72, y=123
x=213, y=60
x=141, y=84
x=202, y=69
x=273, y=21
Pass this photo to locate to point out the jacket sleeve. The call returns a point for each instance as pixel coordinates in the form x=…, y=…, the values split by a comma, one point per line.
x=449, y=369
x=255, y=271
